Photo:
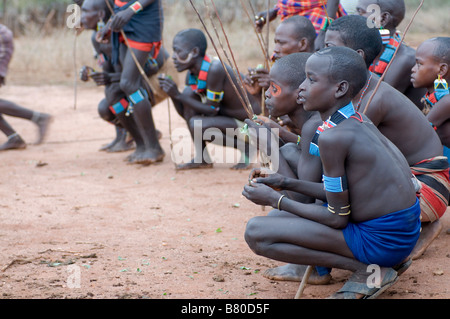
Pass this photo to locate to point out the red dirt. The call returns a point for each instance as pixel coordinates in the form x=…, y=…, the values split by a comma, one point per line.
x=139, y=232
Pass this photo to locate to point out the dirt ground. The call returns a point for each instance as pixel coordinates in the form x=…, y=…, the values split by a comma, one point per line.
x=79, y=223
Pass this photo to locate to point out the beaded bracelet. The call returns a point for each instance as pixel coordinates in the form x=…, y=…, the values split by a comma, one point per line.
x=136, y=7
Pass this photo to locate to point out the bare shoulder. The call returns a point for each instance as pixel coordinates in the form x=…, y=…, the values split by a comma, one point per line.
x=406, y=56
x=216, y=66
x=339, y=138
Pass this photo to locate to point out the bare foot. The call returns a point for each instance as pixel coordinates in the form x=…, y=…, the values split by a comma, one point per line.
x=147, y=157
x=43, y=122
x=429, y=233
x=293, y=272
x=14, y=142
x=193, y=165
x=240, y=166
x=121, y=146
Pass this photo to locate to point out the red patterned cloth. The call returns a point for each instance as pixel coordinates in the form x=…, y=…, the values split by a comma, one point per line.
x=314, y=10
x=433, y=174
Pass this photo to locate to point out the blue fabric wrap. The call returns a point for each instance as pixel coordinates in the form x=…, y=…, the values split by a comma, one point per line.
x=387, y=240
x=446, y=152
x=145, y=26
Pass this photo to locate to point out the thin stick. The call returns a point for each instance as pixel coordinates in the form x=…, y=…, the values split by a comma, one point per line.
x=223, y=64
x=75, y=71
x=393, y=56
x=254, y=14
x=304, y=282
x=267, y=34
x=260, y=39
x=236, y=69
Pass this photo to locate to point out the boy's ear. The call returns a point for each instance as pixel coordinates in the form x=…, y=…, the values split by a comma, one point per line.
x=303, y=45
x=443, y=70
x=101, y=14
x=195, y=52
x=386, y=19
x=361, y=53
x=341, y=89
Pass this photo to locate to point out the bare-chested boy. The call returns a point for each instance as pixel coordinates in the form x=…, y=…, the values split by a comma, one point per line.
x=432, y=71
x=389, y=111
x=403, y=124
x=9, y=108
x=365, y=216
x=294, y=161
x=208, y=100
x=135, y=31
x=392, y=13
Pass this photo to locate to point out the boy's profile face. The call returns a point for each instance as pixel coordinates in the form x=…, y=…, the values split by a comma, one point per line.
x=280, y=96
x=182, y=54
x=286, y=41
x=317, y=91
x=426, y=69
x=90, y=15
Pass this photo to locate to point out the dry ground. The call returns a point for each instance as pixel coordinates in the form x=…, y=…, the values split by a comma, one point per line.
x=139, y=232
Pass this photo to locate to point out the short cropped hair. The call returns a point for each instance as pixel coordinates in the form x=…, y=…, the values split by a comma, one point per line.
x=346, y=65
x=396, y=8
x=194, y=38
x=303, y=27
x=442, y=49
x=357, y=35
x=292, y=67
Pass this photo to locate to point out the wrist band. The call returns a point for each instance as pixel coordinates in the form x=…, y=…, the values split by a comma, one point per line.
x=299, y=138
x=136, y=7
x=327, y=24
x=279, y=201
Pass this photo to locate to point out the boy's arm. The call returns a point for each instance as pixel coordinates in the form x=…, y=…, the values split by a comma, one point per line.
x=440, y=112
x=399, y=74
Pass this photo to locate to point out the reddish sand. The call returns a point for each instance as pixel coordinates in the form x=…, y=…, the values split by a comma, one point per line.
x=79, y=223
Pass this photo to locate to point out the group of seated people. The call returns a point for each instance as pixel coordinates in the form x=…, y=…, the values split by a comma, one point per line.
x=362, y=174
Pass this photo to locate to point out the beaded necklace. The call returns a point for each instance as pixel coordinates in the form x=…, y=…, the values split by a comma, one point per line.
x=364, y=92
x=388, y=52
x=336, y=118
x=198, y=83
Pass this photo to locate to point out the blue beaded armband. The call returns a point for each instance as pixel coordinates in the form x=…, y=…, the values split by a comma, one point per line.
x=335, y=184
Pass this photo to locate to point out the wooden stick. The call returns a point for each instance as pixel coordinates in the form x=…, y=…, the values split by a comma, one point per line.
x=221, y=61
x=393, y=56
x=304, y=282
x=236, y=69
x=267, y=36
x=260, y=39
x=75, y=71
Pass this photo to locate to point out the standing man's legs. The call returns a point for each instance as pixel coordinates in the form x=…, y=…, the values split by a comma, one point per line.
x=42, y=120
x=149, y=150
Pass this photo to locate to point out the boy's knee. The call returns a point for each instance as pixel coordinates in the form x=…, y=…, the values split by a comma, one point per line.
x=105, y=112
x=253, y=237
x=128, y=86
x=288, y=150
x=195, y=122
